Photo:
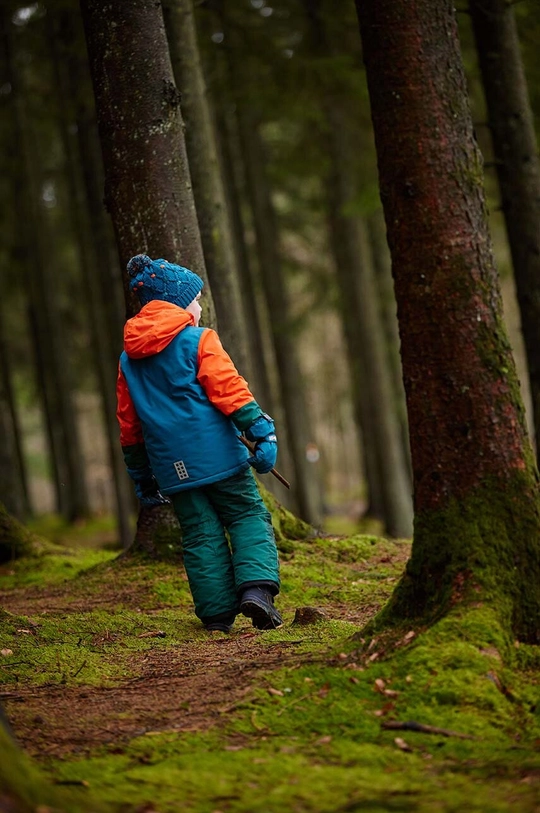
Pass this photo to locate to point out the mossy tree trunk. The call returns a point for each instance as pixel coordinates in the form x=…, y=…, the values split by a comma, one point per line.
x=476, y=496
x=517, y=164
x=16, y=540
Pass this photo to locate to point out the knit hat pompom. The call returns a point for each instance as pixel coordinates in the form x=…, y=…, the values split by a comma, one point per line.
x=137, y=264
x=159, y=279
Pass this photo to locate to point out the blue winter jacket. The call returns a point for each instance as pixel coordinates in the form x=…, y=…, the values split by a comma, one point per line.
x=176, y=389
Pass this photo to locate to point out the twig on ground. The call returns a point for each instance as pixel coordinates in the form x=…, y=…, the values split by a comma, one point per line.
x=412, y=725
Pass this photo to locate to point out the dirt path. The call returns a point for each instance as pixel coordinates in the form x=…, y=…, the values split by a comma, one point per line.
x=183, y=689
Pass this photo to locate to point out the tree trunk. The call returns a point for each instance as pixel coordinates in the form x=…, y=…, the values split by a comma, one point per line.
x=517, y=164
x=46, y=324
x=13, y=482
x=147, y=183
x=16, y=540
x=261, y=381
x=297, y=419
x=58, y=24
x=386, y=466
x=208, y=189
x=477, y=508
x=382, y=267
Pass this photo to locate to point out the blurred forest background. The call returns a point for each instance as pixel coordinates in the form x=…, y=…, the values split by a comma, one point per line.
x=290, y=114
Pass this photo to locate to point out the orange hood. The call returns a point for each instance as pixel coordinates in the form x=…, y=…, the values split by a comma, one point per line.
x=153, y=328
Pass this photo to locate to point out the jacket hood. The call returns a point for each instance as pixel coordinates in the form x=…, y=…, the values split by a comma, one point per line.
x=153, y=328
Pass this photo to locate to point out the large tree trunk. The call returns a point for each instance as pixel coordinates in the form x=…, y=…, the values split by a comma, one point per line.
x=147, y=183
x=205, y=174
x=477, y=508
x=517, y=164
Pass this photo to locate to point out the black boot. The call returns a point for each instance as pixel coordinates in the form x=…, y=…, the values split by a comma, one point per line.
x=257, y=603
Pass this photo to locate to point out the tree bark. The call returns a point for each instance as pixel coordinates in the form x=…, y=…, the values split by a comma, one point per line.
x=207, y=182
x=58, y=24
x=13, y=481
x=518, y=166
x=147, y=183
x=46, y=320
x=386, y=466
x=476, y=499
x=297, y=419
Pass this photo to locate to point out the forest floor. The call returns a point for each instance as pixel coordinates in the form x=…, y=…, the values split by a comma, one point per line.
x=126, y=704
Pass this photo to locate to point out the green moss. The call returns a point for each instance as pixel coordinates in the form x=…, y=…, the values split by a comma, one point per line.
x=315, y=741
x=484, y=548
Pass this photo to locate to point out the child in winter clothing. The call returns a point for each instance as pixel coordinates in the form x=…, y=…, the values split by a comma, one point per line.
x=181, y=407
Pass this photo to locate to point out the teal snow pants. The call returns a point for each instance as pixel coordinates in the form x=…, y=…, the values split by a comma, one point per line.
x=217, y=568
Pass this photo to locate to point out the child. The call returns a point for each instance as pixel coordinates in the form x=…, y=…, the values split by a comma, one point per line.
x=181, y=407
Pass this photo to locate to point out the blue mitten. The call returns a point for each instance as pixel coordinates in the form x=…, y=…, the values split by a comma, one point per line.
x=262, y=433
x=139, y=469
x=147, y=489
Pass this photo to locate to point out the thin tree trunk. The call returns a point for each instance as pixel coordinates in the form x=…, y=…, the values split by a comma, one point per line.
x=47, y=329
x=261, y=381
x=517, y=164
x=208, y=189
x=382, y=266
x=476, y=497
x=386, y=466
x=299, y=434
x=89, y=261
x=13, y=482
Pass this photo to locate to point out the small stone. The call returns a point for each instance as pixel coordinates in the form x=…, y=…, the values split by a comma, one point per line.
x=309, y=615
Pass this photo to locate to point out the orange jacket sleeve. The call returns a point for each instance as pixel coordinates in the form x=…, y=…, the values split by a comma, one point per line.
x=130, y=425
x=222, y=382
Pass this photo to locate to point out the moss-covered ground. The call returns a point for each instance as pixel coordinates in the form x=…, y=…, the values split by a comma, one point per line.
x=122, y=699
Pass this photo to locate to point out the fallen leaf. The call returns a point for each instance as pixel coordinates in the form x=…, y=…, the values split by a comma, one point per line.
x=342, y=656
x=153, y=634
x=275, y=692
x=323, y=691
x=408, y=679
x=323, y=740
x=390, y=693
x=373, y=657
x=379, y=685
x=353, y=679
x=233, y=747
x=410, y=635
x=6, y=652
x=402, y=745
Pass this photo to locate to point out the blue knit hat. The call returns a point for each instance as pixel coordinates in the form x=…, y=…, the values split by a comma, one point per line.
x=159, y=279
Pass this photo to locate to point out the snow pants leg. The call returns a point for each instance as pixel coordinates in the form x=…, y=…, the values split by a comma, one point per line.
x=218, y=568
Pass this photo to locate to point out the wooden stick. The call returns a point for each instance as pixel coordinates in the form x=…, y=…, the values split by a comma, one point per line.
x=394, y=725
x=275, y=472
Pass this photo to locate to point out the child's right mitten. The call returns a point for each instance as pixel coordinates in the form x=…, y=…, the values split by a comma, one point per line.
x=262, y=433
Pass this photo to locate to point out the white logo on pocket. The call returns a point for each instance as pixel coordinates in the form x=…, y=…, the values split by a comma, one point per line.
x=181, y=470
